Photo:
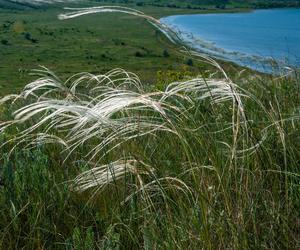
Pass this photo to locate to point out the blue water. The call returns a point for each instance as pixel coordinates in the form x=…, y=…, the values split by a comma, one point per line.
x=254, y=39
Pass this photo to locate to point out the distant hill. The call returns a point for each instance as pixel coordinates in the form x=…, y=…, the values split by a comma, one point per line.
x=209, y=3
x=194, y=4
x=28, y=4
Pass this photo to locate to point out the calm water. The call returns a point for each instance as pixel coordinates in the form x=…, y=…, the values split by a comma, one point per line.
x=253, y=39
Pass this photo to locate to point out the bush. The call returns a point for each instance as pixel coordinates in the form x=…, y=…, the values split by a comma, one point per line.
x=138, y=54
x=28, y=37
x=4, y=42
x=190, y=62
x=166, y=53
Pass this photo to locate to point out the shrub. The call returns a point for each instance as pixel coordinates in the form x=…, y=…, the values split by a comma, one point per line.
x=138, y=54
x=190, y=62
x=4, y=42
x=166, y=53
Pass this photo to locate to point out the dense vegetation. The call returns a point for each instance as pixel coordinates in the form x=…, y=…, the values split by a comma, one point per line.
x=187, y=190
x=207, y=162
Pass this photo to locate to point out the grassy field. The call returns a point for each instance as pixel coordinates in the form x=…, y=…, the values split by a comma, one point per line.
x=203, y=163
x=93, y=44
x=200, y=174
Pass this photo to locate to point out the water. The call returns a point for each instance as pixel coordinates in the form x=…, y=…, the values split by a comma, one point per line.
x=254, y=39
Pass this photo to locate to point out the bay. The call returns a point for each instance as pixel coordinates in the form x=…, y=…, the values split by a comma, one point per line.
x=264, y=40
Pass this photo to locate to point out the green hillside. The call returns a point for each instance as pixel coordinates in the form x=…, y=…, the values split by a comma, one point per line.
x=96, y=43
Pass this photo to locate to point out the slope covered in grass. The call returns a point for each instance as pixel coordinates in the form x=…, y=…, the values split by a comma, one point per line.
x=104, y=161
x=134, y=169
x=91, y=44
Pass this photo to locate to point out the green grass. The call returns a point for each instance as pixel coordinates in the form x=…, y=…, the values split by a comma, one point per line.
x=201, y=192
x=248, y=204
x=93, y=44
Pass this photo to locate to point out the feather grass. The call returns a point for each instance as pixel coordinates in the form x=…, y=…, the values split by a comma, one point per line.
x=203, y=162
x=113, y=109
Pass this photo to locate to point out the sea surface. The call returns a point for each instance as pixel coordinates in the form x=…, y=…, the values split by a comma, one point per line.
x=265, y=40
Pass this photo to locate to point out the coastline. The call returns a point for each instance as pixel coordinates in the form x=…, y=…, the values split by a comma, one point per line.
x=262, y=63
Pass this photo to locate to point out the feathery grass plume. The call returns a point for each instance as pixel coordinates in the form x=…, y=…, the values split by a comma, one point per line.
x=239, y=121
x=8, y=98
x=104, y=112
x=101, y=176
x=159, y=185
x=103, y=102
x=112, y=108
x=76, y=12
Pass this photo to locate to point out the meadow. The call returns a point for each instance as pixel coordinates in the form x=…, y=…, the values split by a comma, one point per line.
x=93, y=44
x=184, y=153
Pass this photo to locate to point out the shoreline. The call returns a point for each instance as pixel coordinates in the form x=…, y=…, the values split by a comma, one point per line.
x=259, y=63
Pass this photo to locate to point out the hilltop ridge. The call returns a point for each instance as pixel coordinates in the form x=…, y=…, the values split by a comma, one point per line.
x=189, y=4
